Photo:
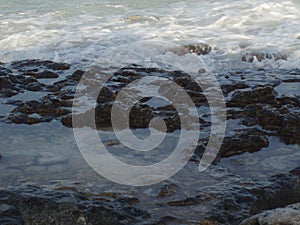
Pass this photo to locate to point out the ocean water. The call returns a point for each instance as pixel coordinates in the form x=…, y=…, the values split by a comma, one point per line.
x=81, y=31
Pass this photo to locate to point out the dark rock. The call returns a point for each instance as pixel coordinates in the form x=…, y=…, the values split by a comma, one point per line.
x=58, y=66
x=4, y=71
x=76, y=75
x=7, y=92
x=227, y=88
x=24, y=119
x=34, y=87
x=32, y=205
x=283, y=120
x=244, y=141
x=25, y=64
x=233, y=201
x=257, y=95
x=44, y=74
x=48, y=106
x=5, y=83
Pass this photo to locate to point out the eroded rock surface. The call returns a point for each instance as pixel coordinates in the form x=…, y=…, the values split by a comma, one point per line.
x=287, y=215
x=32, y=205
x=43, y=91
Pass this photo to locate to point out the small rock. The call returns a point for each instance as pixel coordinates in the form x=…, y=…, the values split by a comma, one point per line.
x=58, y=66
x=260, y=56
x=199, y=49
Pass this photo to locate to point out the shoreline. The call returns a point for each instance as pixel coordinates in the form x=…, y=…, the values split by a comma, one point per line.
x=256, y=110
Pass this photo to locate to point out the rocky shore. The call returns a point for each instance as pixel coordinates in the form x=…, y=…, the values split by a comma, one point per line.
x=259, y=110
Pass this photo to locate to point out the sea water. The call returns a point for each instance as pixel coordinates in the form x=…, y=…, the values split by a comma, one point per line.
x=81, y=31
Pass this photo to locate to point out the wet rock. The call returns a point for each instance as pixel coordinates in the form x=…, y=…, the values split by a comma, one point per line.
x=76, y=75
x=199, y=49
x=237, y=199
x=34, y=87
x=227, y=88
x=283, y=120
x=28, y=64
x=24, y=119
x=32, y=205
x=44, y=74
x=257, y=95
x=48, y=107
x=7, y=87
x=4, y=71
x=287, y=215
x=244, y=141
x=58, y=66
x=260, y=56
x=7, y=92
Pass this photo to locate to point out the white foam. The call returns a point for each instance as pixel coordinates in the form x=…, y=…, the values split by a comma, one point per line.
x=80, y=31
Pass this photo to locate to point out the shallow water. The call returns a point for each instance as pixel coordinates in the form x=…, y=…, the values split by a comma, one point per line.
x=79, y=32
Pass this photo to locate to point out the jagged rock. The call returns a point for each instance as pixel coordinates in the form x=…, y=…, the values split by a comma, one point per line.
x=287, y=215
x=232, y=202
x=31, y=205
x=246, y=141
x=283, y=120
x=257, y=95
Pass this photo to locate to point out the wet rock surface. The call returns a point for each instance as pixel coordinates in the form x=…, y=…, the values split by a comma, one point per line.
x=42, y=92
x=223, y=203
x=287, y=215
x=250, y=97
x=260, y=56
x=34, y=205
x=199, y=49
